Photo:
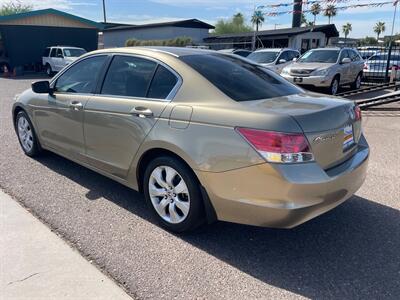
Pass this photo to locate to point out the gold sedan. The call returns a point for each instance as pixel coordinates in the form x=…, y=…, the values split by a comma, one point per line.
x=205, y=136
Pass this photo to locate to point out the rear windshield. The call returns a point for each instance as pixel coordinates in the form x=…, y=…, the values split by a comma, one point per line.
x=320, y=56
x=73, y=52
x=240, y=79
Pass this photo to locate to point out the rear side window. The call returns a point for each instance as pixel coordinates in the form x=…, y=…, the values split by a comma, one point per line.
x=53, y=52
x=238, y=78
x=129, y=76
x=162, y=83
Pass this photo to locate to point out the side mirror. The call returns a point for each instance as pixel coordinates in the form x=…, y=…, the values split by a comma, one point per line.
x=346, y=60
x=282, y=61
x=41, y=87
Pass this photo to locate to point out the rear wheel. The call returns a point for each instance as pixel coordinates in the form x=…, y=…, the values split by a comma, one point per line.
x=26, y=135
x=334, y=88
x=357, y=83
x=173, y=193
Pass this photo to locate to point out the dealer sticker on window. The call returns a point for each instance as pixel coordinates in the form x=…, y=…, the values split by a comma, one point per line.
x=348, y=137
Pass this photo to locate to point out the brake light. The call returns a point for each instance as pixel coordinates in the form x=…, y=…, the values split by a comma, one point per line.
x=357, y=111
x=278, y=147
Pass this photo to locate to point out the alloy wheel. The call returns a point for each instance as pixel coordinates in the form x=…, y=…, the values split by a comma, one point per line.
x=335, y=87
x=25, y=134
x=358, y=82
x=169, y=194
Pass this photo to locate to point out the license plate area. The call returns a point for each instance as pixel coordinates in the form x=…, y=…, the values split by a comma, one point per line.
x=348, y=137
x=298, y=79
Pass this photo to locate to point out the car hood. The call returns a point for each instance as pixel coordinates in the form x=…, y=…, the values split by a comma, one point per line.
x=310, y=66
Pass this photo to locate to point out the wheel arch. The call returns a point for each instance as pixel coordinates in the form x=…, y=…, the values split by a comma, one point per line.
x=152, y=153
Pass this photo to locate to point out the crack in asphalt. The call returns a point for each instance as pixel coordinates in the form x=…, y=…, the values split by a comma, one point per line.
x=23, y=279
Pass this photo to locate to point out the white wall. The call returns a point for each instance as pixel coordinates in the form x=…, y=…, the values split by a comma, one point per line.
x=295, y=41
x=117, y=38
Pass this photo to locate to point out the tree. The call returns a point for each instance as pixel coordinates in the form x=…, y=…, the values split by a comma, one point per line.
x=14, y=7
x=379, y=28
x=257, y=19
x=304, y=21
x=367, y=41
x=315, y=10
x=330, y=12
x=234, y=25
x=346, y=29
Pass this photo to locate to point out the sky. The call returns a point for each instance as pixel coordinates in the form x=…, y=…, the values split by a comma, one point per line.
x=210, y=11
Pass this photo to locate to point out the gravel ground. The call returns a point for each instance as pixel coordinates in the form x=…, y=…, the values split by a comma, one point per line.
x=350, y=252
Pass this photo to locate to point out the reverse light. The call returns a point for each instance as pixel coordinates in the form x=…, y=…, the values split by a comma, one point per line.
x=278, y=147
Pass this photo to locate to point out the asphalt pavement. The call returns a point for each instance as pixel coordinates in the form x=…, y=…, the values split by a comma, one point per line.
x=352, y=252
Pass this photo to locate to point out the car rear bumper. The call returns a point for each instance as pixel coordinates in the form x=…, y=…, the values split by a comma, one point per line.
x=284, y=196
x=317, y=81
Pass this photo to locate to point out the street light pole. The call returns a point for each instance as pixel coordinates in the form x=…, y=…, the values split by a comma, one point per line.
x=104, y=11
x=394, y=19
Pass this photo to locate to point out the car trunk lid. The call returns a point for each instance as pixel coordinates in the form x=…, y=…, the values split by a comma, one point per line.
x=329, y=124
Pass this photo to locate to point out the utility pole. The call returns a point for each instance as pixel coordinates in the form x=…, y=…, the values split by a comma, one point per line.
x=395, y=3
x=104, y=11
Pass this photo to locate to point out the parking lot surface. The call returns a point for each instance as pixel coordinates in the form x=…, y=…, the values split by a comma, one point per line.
x=350, y=252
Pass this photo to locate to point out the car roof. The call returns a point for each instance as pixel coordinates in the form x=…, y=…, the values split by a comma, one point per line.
x=174, y=51
x=69, y=47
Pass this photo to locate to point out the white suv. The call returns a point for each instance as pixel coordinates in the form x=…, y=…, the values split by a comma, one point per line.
x=274, y=59
x=57, y=57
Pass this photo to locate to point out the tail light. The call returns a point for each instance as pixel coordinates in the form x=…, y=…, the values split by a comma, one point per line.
x=278, y=147
x=396, y=68
x=357, y=111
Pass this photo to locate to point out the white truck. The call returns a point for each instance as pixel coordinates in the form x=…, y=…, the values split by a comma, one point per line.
x=57, y=57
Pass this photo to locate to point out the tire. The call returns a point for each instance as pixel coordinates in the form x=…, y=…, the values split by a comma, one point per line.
x=26, y=135
x=334, y=87
x=177, y=212
x=49, y=70
x=356, y=85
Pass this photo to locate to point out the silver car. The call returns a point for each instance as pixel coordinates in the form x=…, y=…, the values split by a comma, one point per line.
x=274, y=59
x=375, y=66
x=329, y=68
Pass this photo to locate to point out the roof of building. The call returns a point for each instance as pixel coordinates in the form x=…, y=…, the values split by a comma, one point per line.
x=189, y=23
x=330, y=31
x=50, y=11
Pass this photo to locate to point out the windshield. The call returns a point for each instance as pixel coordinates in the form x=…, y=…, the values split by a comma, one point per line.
x=241, y=80
x=263, y=57
x=73, y=52
x=320, y=56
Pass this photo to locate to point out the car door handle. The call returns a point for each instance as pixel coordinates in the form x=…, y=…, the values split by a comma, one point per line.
x=142, y=112
x=76, y=105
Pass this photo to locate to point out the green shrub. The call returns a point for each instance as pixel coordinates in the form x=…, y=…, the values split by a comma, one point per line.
x=181, y=41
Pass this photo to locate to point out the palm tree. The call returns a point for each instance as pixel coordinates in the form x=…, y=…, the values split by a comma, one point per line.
x=257, y=18
x=330, y=12
x=379, y=28
x=315, y=10
x=346, y=28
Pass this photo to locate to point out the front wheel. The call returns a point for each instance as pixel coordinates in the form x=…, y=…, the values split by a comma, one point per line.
x=26, y=135
x=173, y=193
x=49, y=70
x=334, y=88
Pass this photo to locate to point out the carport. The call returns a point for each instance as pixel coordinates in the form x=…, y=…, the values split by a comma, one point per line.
x=24, y=36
